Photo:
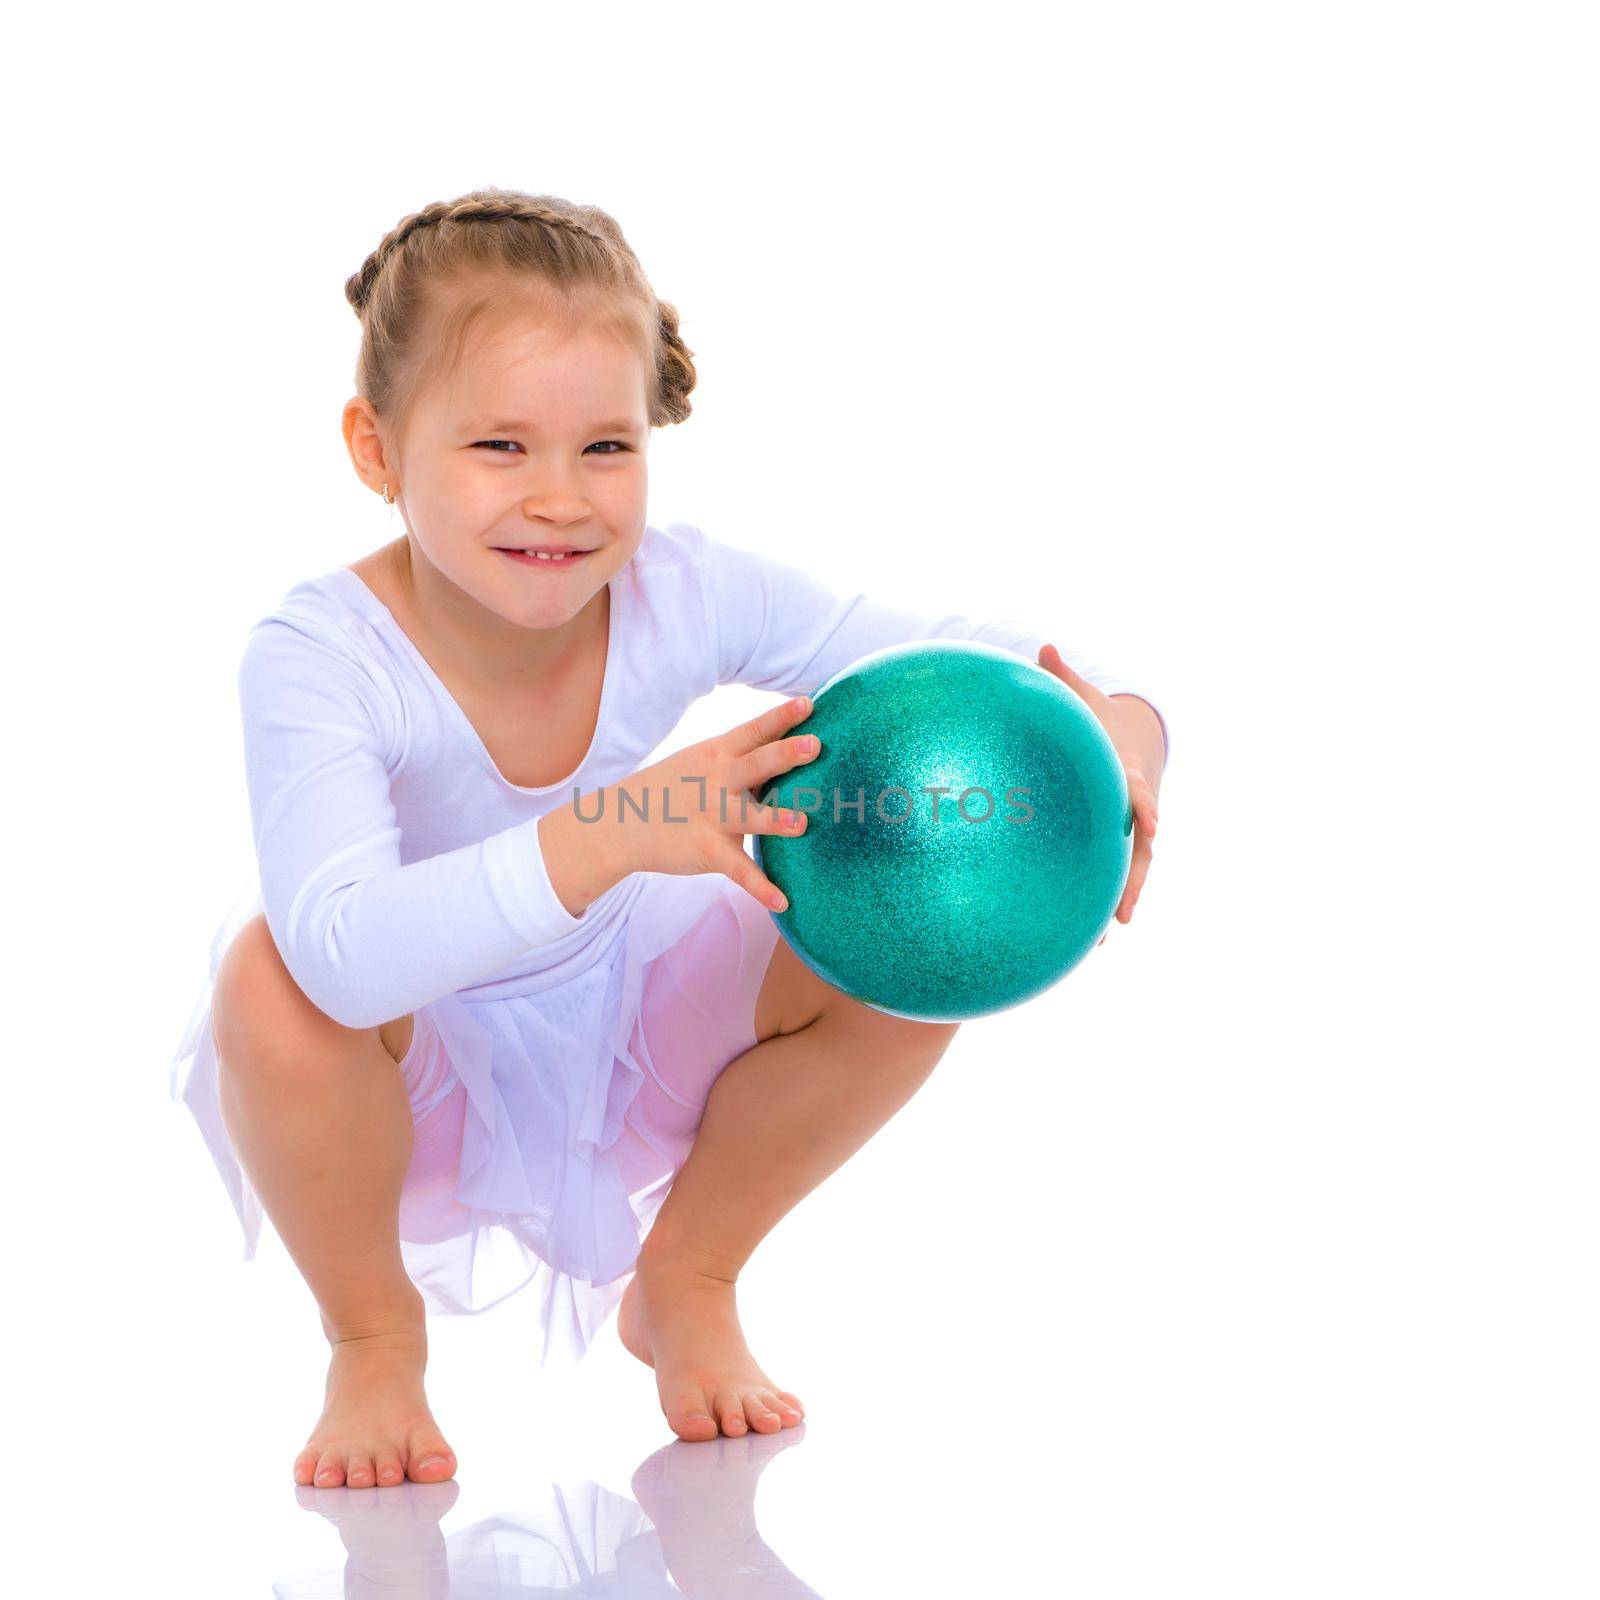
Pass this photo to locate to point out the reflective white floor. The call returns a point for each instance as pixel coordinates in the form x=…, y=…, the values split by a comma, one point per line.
x=1107, y=1321
x=686, y=1524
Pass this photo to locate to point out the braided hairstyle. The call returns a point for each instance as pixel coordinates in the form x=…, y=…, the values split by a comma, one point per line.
x=458, y=263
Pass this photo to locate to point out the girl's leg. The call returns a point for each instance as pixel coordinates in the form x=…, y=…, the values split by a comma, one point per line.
x=320, y=1120
x=826, y=1073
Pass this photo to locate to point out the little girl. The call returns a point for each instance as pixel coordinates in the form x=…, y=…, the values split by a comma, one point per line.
x=461, y=1037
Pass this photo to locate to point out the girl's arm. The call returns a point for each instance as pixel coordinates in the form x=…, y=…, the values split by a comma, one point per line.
x=366, y=937
x=776, y=627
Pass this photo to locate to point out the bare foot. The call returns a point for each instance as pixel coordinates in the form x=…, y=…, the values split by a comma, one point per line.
x=375, y=1426
x=682, y=1322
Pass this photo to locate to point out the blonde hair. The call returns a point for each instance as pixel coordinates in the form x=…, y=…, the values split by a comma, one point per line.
x=478, y=259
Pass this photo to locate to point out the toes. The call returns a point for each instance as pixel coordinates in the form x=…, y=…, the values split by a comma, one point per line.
x=432, y=1460
x=730, y=1412
x=329, y=1469
x=759, y=1411
x=687, y=1415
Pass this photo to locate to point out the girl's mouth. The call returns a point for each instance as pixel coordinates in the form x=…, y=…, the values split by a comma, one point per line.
x=569, y=558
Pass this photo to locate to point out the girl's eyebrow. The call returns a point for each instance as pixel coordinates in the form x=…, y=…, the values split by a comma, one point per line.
x=623, y=425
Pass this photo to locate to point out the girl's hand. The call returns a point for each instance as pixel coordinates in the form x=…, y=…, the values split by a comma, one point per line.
x=700, y=802
x=1140, y=792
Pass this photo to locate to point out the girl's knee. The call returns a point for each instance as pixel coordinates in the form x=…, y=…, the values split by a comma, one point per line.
x=901, y=1039
x=927, y=1040
x=257, y=1009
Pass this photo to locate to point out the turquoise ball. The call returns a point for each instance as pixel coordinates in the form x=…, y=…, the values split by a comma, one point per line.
x=968, y=832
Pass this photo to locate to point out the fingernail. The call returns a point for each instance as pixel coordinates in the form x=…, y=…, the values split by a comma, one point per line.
x=777, y=902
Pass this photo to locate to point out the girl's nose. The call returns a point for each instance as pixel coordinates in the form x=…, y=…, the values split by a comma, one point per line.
x=555, y=503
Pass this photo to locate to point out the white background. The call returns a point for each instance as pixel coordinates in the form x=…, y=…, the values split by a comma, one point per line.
x=1249, y=348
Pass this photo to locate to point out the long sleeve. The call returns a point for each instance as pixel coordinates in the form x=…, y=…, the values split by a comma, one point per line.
x=366, y=937
x=776, y=627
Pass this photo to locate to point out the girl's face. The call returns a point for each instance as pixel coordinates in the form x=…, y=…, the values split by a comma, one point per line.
x=537, y=440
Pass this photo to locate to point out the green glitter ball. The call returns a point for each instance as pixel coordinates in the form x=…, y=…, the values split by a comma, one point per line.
x=969, y=832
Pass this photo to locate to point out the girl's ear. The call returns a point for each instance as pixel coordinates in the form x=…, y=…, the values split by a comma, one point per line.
x=365, y=444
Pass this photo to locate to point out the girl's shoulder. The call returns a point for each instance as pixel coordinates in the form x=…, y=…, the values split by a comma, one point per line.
x=685, y=553
x=667, y=574
x=326, y=630
x=334, y=607
x=672, y=544
x=685, y=580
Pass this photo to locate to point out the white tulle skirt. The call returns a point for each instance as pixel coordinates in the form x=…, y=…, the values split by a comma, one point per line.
x=549, y=1124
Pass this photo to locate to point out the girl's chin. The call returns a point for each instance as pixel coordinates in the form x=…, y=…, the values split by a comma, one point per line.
x=544, y=602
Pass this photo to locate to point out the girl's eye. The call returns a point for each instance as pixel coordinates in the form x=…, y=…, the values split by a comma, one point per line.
x=492, y=442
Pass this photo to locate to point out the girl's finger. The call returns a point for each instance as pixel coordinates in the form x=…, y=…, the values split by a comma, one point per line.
x=772, y=819
x=1138, y=869
x=744, y=872
x=771, y=724
x=1050, y=658
x=1144, y=804
x=778, y=757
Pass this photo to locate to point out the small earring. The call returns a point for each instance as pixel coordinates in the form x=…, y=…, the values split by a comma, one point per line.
x=388, y=499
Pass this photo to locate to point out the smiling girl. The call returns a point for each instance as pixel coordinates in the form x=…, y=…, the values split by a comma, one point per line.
x=457, y=1041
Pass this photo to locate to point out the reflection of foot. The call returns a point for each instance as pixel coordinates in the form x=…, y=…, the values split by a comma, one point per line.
x=702, y=1503
x=376, y=1428
x=682, y=1322
x=394, y=1541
